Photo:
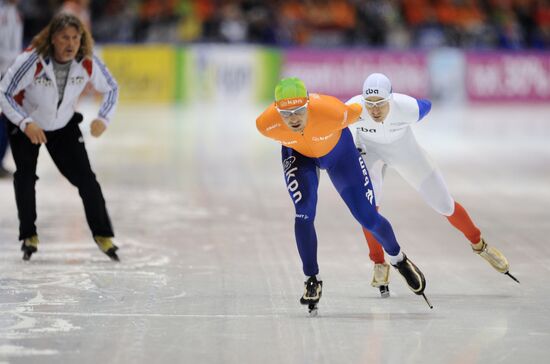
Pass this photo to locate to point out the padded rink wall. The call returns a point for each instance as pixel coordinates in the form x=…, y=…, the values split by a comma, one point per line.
x=247, y=73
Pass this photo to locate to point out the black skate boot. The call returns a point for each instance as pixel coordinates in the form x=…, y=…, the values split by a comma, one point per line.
x=313, y=289
x=106, y=245
x=413, y=276
x=29, y=246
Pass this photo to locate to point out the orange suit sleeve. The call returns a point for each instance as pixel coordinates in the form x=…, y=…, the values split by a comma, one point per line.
x=269, y=123
x=354, y=111
x=335, y=112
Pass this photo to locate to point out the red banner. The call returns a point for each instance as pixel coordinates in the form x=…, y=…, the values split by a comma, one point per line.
x=341, y=73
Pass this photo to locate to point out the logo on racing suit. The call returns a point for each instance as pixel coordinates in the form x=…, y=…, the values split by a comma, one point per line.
x=321, y=138
x=366, y=130
x=290, y=142
x=369, y=194
x=271, y=127
x=291, y=182
x=287, y=163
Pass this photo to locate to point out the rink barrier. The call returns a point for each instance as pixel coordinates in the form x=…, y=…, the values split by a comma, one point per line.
x=248, y=73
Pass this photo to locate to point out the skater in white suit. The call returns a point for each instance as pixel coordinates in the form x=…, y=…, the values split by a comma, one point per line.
x=384, y=138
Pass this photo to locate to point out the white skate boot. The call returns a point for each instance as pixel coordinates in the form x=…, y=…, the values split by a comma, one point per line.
x=494, y=257
x=381, y=278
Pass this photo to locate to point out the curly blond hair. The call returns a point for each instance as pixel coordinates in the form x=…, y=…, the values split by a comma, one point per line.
x=42, y=42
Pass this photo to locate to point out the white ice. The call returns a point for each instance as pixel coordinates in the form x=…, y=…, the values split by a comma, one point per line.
x=209, y=270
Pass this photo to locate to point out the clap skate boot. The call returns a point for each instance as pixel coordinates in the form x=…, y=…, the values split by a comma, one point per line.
x=381, y=278
x=29, y=246
x=413, y=276
x=106, y=245
x=494, y=257
x=313, y=289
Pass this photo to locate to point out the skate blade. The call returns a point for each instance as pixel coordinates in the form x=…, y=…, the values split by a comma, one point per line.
x=313, y=310
x=427, y=301
x=511, y=276
x=384, y=291
x=27, y=252
x=111, y=253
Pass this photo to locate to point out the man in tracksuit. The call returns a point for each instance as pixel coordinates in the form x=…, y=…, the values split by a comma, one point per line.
x=38, y=96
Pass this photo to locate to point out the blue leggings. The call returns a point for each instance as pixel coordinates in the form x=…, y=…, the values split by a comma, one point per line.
x=349, y=175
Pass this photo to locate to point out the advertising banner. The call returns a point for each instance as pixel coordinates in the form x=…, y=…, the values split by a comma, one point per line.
x=341, y=72
x=229, y=73
x=144, y=73
x=505, y=77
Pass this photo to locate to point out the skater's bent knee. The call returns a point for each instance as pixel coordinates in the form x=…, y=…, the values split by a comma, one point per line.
x=372, y=222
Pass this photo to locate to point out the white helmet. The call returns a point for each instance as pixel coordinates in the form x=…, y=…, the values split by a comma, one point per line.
x=377, y=84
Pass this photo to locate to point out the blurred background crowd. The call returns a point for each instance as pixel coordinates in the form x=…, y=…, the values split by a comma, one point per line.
x=394, y=24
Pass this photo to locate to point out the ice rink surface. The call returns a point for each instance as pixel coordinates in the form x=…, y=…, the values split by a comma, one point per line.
x=209, y=269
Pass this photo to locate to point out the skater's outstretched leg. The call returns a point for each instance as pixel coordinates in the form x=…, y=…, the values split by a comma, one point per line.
x=462, y=221
x=353, y=183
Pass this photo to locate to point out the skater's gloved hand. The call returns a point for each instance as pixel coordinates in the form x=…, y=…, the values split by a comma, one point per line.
x=35, y=133
x=97, y=128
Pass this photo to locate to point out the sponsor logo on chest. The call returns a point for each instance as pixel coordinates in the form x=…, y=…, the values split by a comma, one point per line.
x=288, y=142
x=271, y=127
x=367, y=130
x=321, y=138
